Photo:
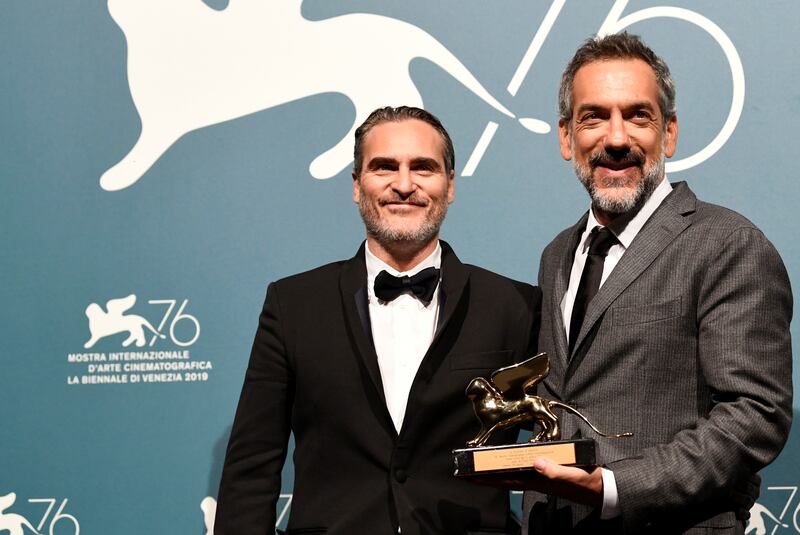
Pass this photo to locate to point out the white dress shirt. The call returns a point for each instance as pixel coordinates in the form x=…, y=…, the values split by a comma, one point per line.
x=625, y=236
x=402, y=331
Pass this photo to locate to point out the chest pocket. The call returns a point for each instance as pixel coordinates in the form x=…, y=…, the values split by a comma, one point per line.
x=647, y=313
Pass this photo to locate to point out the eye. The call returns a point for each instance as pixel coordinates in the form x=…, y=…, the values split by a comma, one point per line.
x=590, y=118
x=382, y=166
x=425, y=166
x=642, y=116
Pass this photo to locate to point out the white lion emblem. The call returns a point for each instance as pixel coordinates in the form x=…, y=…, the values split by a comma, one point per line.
x=190, y=66
x=102, y=323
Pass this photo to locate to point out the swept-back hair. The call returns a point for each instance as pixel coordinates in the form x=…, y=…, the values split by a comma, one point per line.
x=401, y=113
x=617, y=46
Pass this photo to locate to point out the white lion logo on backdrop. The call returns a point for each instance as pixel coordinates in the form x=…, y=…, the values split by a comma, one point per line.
x=209, y=507
x=102, y=323
x=756, y=521
x=190, y=66
x=12, y=522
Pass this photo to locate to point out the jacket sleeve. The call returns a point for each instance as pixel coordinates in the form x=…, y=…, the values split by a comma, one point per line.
x=744, y=356
x=251, y=475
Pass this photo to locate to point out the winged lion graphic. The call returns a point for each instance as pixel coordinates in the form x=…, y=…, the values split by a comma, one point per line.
x=506, y=399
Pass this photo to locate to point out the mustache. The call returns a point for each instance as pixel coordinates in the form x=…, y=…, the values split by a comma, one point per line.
x=607, y=159
x=413, y=199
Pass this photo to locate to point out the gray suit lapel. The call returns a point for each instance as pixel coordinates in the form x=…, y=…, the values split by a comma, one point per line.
x=560, y=286
x=661, y=229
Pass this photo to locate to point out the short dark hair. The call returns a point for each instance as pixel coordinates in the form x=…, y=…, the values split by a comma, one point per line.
x=617, y=46
x=401, y=113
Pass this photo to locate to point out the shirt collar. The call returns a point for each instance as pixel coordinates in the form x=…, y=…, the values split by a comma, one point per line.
x=631, y=228
x=375, y=265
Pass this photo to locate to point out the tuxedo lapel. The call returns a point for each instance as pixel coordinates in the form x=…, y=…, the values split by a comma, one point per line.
x=353, y=287
x=666, y=223
x=451, y=294
x=453, y=283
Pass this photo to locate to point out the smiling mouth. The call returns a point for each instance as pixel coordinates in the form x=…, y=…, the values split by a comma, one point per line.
x=402, y=203
x=616, y=166
x=617, y=162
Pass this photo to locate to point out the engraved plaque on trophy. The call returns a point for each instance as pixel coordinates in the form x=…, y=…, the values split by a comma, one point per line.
x=506, y=399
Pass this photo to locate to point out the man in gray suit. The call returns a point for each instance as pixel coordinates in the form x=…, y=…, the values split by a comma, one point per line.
x=663, y=315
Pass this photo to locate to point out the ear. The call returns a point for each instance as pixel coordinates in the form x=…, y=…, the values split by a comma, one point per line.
x=451, y=187
x=356, y=193
x=564, y=139
x=671, y=142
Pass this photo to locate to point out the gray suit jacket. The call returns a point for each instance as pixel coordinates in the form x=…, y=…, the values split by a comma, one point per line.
x=686, y=345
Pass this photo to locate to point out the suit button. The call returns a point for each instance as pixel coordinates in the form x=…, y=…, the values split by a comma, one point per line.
x=400, y=475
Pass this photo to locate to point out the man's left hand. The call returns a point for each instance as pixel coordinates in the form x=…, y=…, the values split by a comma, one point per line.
x=581, y=485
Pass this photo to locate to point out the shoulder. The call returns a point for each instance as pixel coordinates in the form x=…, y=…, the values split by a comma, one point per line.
x=710, y=219
x=483, y=281
x=323, y=272
x=720, y=239
x=714, y=228
x=560, y=242
x=554, y=252
x=480, y=277
x=314, y=282
x=719, y=219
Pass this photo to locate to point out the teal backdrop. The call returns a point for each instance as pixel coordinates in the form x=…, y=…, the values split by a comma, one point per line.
x=162, y=160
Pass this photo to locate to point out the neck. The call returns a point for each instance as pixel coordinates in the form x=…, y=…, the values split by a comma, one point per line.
x=402, y=256
x=603, y=217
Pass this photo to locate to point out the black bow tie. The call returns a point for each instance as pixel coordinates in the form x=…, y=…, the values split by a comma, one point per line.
x=422, y=285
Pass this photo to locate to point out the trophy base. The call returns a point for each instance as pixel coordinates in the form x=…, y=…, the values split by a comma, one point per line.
x=488, y=460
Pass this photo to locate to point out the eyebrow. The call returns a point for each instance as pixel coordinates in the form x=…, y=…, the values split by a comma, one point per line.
x=637, y=105
x=421, y=162
x=426, y=163
x=381, y=161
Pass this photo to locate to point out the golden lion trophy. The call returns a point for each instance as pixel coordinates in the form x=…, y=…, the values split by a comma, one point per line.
x=505, y=400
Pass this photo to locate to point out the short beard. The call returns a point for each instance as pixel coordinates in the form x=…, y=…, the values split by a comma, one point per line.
x=390, y=237
x=651, y=176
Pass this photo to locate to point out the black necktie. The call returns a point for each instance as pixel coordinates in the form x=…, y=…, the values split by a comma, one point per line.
x=601, y=241
x=422, y=285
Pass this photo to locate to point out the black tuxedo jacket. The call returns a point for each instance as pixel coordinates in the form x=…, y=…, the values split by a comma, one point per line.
x=313, y=371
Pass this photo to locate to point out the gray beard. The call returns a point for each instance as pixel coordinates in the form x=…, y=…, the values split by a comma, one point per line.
x=388, y=236
x=651, y=176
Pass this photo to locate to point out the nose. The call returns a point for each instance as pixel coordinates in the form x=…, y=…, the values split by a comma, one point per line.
x=404, y=184
x=617, y=137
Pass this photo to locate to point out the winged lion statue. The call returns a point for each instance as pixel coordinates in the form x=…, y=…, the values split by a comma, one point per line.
x=506, y=399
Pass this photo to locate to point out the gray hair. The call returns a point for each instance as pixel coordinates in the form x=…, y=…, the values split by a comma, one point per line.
x=401, y=113
x=617, y=46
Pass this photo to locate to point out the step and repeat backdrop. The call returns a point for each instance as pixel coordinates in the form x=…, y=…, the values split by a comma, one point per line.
x=162, y=160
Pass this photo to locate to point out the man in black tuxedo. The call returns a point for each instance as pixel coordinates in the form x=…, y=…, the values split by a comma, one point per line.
x=366, y=362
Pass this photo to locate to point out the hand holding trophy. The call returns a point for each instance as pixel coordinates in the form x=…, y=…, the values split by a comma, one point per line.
x=507, y=399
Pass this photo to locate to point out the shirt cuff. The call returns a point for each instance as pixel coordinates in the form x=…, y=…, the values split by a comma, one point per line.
x=610, y=497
